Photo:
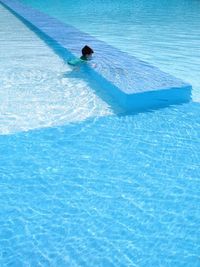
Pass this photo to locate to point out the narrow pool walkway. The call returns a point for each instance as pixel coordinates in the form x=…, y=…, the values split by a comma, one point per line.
x=136, y=85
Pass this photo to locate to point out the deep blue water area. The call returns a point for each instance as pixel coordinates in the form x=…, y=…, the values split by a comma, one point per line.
x=115, y=191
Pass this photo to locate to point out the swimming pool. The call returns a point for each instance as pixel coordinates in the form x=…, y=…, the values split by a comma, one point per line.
x=82, y=183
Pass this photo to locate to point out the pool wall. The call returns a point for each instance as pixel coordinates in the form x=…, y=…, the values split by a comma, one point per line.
x=135, y=84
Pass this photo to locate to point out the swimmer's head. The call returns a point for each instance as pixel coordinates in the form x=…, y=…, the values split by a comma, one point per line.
x=87, y=52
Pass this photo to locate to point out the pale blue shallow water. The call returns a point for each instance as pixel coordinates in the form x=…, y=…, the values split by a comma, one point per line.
x=80, y=184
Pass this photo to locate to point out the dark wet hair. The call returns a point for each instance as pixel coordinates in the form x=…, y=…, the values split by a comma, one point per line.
x=86, y=50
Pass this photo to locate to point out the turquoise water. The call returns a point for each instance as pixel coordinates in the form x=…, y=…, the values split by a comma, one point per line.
x=82, y=185
x=118, y=191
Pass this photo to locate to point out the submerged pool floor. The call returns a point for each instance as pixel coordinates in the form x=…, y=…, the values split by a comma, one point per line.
x=105, y=190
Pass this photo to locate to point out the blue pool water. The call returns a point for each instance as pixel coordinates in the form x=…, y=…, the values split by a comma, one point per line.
x=83, y=183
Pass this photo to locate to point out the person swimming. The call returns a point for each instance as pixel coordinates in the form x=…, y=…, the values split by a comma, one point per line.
x=86, y=55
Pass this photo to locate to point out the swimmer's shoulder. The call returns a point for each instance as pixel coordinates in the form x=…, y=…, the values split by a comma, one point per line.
x=76, y=61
